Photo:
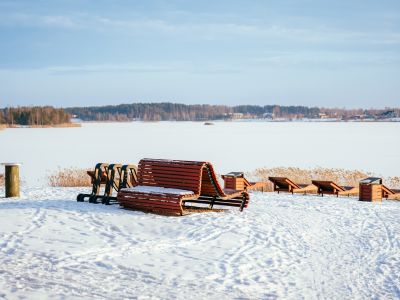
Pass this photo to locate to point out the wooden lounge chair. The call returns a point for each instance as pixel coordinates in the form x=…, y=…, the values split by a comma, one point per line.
x=119, y=177
x=237, y=181
x=284, y=184
x=110, y=177
x=166, y=186
x=390, y=193
x=331, y=188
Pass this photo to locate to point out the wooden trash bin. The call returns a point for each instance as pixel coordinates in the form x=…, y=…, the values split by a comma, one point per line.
x=371, y=189
x=234, y=181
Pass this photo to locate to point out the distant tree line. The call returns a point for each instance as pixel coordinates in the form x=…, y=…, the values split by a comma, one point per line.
x=278, y=111
x=183, y=112
x=151, y=112
x=34, y=116
x=48, y=115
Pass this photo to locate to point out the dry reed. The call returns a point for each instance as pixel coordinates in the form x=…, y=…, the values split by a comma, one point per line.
x=304, y=176
x=69, y=177
x=72, y=177
x=392, y=182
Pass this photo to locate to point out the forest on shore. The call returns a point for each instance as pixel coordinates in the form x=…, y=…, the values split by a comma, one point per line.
x=184, y=112
x=34, y=116
x=50, y=116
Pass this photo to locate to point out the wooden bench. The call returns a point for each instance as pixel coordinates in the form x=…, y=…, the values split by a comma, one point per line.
x=332, y=188
x=166, y=186
x=389, y=193
x=284, y=184
x=110, y=177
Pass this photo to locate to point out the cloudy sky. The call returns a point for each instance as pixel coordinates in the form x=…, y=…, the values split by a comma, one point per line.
x=342, y=53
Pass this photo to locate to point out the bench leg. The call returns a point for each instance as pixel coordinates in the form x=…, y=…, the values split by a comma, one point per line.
x=243, y=203
x=212, y=203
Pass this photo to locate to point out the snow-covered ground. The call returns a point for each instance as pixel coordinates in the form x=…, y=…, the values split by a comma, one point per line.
x=282, y=246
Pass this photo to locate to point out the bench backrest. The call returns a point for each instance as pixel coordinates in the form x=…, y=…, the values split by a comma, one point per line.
x=283, y=182
x=328, y=186
x=209, y=183
x=196, y=176
x=178, y=174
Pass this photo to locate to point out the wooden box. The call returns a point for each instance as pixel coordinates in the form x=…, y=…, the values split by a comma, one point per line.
x=370, y=192
x=234, y=181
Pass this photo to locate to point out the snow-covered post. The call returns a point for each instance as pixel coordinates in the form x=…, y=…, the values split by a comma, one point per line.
x=12, y=179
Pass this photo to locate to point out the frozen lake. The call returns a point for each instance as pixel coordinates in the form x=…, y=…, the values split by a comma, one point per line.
x=230, y=146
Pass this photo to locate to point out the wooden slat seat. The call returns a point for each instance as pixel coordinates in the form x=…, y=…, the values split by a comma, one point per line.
x=386, y=192
x=284, y=184
x=389, y=193
x=165, y=186
x=332, y=188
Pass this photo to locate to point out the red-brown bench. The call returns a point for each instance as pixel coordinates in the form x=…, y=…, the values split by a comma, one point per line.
x=165, y=186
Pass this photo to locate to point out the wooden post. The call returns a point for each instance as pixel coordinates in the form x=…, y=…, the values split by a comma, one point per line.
x=12, y=179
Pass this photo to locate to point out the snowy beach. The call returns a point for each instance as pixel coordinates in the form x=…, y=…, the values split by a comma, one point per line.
x=196, y=111
x=283, y=246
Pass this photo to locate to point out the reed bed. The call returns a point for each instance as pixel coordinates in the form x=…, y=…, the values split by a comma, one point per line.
x=74, y=177
x=304, y=176
x=69, y=177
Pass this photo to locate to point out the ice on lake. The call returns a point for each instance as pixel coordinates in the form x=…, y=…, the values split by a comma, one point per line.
x=230, y=146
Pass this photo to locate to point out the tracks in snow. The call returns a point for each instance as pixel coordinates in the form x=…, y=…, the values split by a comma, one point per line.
x=282, y=246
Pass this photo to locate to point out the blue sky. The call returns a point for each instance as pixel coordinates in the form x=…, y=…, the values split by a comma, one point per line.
x=93, y=52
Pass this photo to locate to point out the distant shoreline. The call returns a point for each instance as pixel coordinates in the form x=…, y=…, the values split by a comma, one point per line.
x=248, y=121
x=62, y=125
x=79, y=123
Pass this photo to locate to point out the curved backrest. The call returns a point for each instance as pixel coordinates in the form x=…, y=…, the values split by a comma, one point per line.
x=196, y=176
x=178, y=174
x=210, y=185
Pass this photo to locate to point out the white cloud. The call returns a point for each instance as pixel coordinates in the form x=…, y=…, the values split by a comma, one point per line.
x=337, y=59
x=30, y=20
x=205, y=30
x=185, y=67
x=60, y=21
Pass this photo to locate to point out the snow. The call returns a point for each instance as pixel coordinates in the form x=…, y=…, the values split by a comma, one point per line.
x=283, y=246
x=229, y=146
x=157, y=190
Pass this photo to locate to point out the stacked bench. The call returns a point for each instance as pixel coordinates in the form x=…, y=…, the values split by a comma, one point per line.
x=166, y=186
x=110, y=177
